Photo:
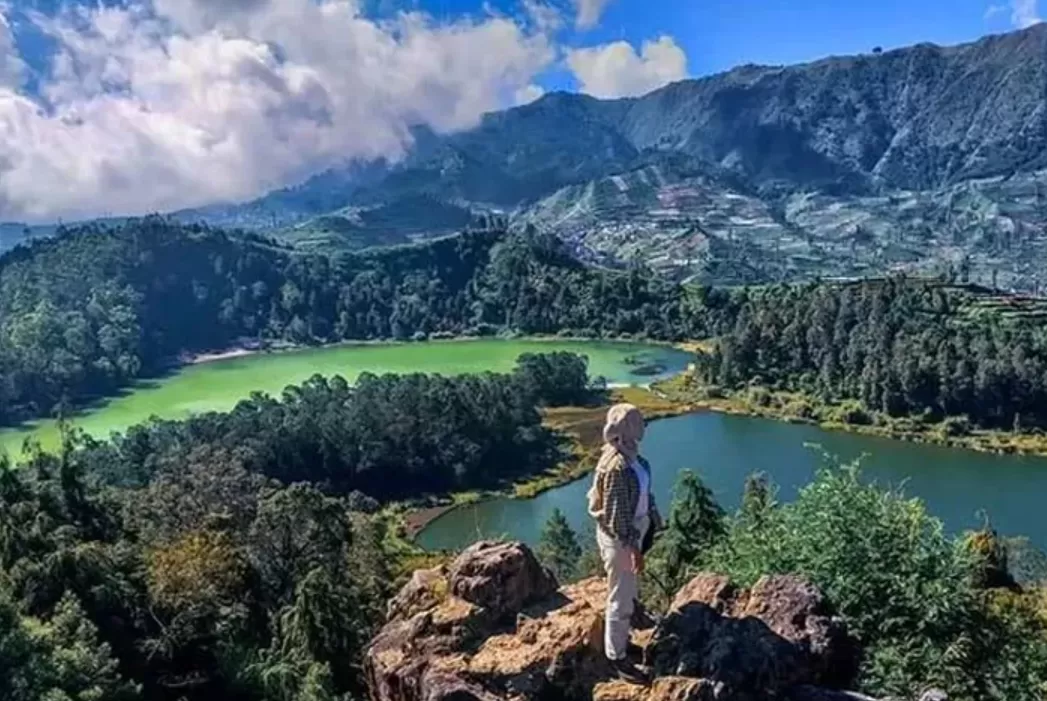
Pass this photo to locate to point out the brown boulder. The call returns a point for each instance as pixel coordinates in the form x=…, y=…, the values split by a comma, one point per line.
x=423, y=591
x=500, y=577
x=758, y=642
x=714, y=590
x=554, y=647
x=490, y=627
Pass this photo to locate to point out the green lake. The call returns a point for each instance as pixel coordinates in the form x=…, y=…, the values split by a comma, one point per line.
x=220, y=384
x=955, y=484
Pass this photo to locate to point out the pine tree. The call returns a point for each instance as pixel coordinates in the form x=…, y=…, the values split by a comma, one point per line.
x=78, y=664
x=21, y=658
x=696, y=523
x=695, y=517
x=559, y=548
x=757, y=501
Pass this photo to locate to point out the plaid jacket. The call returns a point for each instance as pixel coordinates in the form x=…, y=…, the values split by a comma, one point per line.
x=613, y=499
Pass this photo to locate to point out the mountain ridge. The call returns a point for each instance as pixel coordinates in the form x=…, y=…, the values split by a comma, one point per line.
x=925, y=158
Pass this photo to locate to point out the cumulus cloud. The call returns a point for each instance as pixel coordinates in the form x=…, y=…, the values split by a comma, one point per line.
x=154, y=107
x=1025, y=13
x=589, y=12
x=617, y=70
x=12, y=68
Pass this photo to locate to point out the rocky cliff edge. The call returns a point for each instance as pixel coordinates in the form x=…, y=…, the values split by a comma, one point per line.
x=494, y=626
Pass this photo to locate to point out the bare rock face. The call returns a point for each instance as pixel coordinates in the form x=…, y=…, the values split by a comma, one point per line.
x=425, y=590
x=492, y=626
x=500, y=577
x=777, y=636
x=556, y=648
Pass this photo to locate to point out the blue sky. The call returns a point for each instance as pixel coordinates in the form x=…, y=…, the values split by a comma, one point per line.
x=137, y=106
x=720, y=34
x=717, y=35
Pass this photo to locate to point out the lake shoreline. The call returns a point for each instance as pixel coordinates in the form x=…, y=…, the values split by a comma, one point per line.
x=585, y=445
x=243, y=350
x=415, y=520
x=782, y=406
x=201, y=358
x=181, y=389
x=583, y=426
x=962, y=487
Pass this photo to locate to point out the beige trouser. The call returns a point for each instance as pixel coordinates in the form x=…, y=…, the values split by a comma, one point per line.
x=622, y=590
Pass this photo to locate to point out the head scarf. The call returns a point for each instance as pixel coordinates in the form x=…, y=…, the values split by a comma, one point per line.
x=622, y=434
x=623, y=431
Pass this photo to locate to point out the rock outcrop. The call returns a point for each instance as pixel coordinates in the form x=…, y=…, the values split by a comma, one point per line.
x=777, y=636
x=493, y=626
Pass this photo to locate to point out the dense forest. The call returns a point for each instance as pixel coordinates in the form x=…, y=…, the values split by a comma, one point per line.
x=239, y=555
x=898, y=346
x=210, y=583
x=243, y=555
x=389, y=437
x=90, y=310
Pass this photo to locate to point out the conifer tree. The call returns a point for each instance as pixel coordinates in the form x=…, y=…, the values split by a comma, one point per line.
x=696, y=523
x=559, y=548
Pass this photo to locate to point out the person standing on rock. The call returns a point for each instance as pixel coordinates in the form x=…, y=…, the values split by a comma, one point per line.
x=622, y=504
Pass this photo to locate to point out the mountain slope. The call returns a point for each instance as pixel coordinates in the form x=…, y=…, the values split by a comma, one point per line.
x=915, y=157
x=914, y=118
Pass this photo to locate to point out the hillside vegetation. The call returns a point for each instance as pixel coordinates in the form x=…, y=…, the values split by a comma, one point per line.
x=953, y=356
x=924, y=158
x=85, y=313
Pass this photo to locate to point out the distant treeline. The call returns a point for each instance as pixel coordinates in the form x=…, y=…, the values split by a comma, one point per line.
x=897, y=346
x=88, y=311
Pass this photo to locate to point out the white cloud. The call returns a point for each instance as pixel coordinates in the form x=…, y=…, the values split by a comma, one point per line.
x=185, y=102
x=995, y=9
x=590, y=12
x=528, y=94
x=544, y=16
x=1025, y=13
x=616, y=70
x=12, y=69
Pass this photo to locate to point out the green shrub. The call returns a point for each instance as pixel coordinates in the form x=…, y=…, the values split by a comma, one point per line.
x=850, y=412
x=906, y=589
x=711, y=392
x=799, y=408
x=955, y=426
x=758, y=396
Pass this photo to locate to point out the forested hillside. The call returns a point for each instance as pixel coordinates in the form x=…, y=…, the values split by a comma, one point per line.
x=898, y=347
x=87, y=312
x=239, y=555
x=244, y=555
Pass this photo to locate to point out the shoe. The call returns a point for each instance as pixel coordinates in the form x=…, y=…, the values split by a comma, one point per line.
x=642, y=619
x=627, y=671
